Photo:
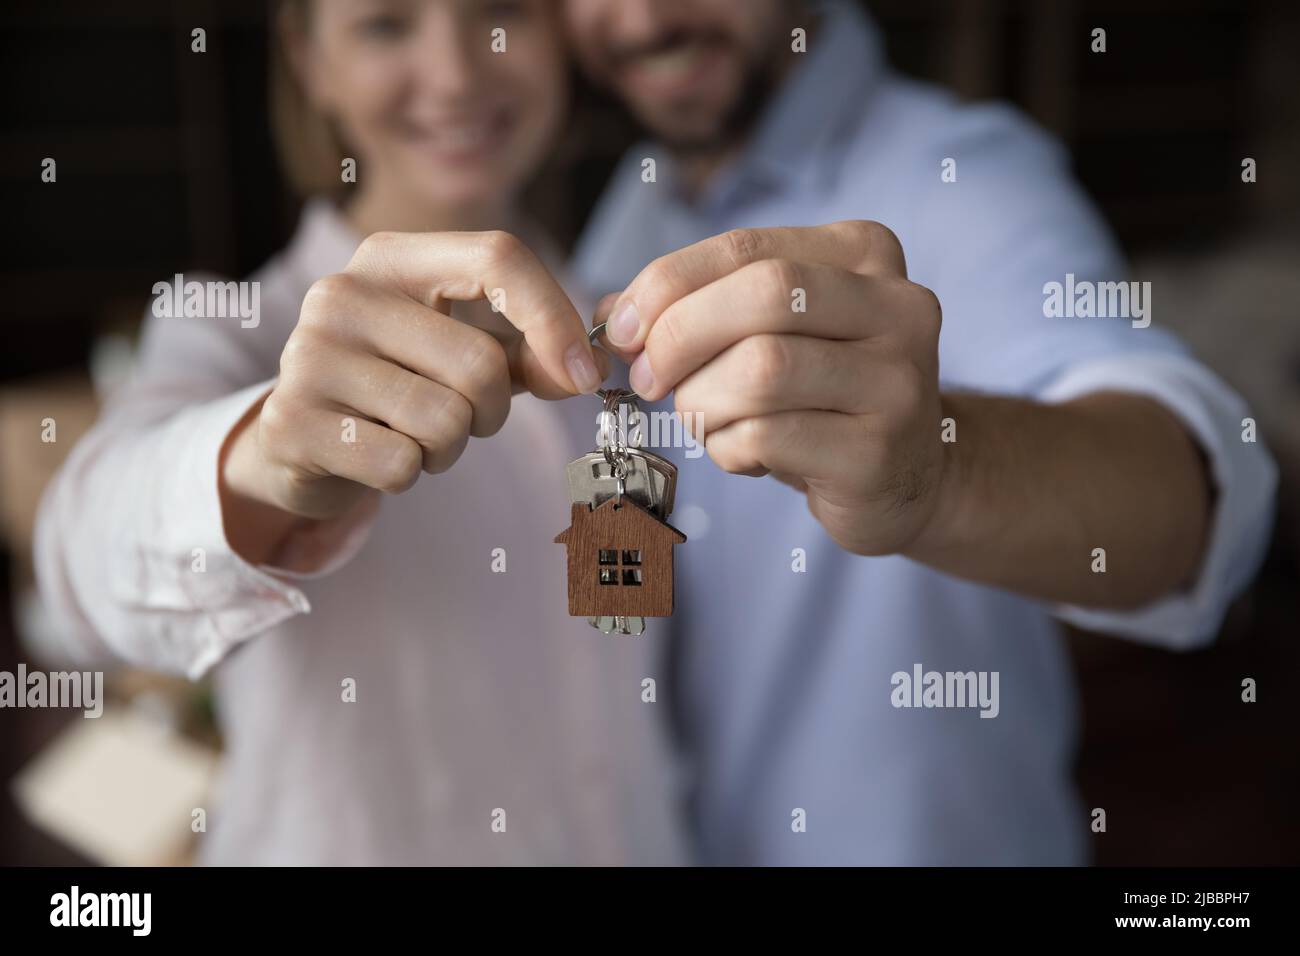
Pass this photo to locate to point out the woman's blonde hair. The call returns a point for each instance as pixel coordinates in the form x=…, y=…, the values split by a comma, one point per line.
x=310, y=149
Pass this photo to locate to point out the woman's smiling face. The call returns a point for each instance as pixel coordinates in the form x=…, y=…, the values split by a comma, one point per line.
x=450, y=103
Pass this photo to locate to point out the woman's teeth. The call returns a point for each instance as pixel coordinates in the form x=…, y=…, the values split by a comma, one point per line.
x=463, y=136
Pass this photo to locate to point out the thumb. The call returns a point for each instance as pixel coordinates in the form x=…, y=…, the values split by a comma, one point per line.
x=603, y=310
x=527, y=373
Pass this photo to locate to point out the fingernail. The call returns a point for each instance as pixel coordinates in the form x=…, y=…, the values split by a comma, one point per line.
x=582, y=368
x=624, y=326
x=640, y=376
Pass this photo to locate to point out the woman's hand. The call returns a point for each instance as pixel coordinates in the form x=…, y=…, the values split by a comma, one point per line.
x=378, y=383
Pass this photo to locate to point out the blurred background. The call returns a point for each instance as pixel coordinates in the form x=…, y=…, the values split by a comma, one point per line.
x=165, y=164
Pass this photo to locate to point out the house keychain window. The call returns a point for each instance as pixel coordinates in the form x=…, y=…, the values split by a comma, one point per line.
x=619, y=567
x=620, y=545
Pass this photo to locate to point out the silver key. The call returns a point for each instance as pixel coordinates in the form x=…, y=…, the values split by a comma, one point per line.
x=619, y=469
x=649, y=479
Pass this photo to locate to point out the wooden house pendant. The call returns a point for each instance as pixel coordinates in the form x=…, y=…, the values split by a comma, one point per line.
x=620, y=562
x=620, y=545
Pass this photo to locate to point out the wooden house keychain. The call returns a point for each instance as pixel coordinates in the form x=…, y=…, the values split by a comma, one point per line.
x=620, y=545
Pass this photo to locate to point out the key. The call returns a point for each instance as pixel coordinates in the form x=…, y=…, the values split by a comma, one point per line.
x=619, y=543
x=650, y=480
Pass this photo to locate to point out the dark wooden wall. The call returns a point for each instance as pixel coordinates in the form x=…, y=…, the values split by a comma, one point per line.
x=165, y=158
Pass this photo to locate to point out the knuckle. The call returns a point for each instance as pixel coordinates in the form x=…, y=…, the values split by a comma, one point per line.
x=378, y=245
x=449, y=418
x=277, y=425
x=931, y=310
x=446, y=455
x=669, y=336
x=659, y=273
x=272, y=416
x=920, y=308
x=874, y=239
x=743, y=246
x=324, y=296
x=855, y=231
x=484, y=362
x=722, y=452
x=299, y=354
x=776, y=279
x=407, y=405
x=768, y=361
x=400, y=468
x=498, y=247
x=873, y=234
x=756, y=434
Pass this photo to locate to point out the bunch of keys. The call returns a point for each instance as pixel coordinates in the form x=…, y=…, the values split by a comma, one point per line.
x=620, y=545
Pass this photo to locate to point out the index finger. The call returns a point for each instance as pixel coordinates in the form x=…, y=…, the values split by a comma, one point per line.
x=867, y=248
x=436, y=266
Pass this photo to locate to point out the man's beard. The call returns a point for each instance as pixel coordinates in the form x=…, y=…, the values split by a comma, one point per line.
x=737, y=122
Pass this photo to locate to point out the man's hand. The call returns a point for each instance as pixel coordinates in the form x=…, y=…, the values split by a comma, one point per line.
x=378, y=382
x=805, y=353
x=842, y=401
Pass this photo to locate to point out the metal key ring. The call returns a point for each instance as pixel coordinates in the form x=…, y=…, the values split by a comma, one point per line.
x=592, y=336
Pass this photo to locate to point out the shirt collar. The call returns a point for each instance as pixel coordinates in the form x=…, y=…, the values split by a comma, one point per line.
x=825, y=89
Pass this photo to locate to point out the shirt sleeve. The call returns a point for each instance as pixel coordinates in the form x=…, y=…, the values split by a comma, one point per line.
x=1244, y=483
x=131, y=552
x=1036, y=228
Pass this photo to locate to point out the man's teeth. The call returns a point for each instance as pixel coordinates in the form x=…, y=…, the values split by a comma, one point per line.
x=676, y=59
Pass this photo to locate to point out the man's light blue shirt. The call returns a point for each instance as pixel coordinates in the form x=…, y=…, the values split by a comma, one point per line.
x=784, y=646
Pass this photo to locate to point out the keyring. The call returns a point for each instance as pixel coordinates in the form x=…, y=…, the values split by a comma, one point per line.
x=592, y=336
x=616, y=444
